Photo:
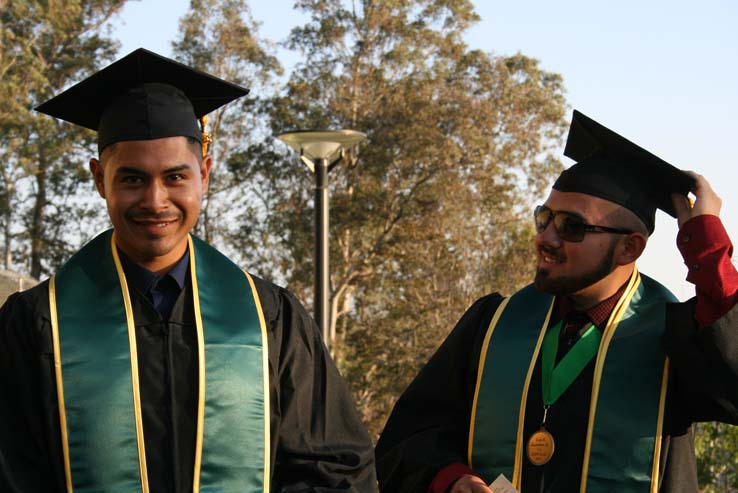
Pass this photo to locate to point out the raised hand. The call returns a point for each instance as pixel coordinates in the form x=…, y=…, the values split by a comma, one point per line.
x=706, y=200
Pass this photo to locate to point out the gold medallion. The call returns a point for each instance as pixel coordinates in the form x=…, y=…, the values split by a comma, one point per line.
x=540, y=447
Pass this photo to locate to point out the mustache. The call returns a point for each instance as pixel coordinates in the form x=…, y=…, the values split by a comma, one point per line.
x=551, y=252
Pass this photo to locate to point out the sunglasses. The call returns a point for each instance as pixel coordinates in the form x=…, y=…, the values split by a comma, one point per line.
x=570, y=226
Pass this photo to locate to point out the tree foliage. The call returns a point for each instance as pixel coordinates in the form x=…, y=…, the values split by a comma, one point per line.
x=221, y=38
x=435, y=209
x=716, y=445
x=44, y=47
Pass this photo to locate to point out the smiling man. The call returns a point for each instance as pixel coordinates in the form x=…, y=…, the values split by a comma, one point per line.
x=590, y=378
x=149, y=361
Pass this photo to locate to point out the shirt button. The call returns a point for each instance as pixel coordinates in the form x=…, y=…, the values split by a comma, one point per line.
x=696, y=267
x=686, y=238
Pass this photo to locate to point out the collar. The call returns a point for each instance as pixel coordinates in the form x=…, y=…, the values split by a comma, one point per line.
x=143, y=279
x=598, y=314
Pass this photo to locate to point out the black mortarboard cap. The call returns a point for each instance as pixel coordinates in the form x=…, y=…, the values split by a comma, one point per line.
x=615, y=169
x=142, y=96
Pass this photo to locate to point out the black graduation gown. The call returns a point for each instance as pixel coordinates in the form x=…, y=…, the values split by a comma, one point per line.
x=317, y=440
x=429, y=426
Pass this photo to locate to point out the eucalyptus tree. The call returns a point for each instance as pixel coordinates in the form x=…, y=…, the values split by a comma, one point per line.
x=221, y=37
x=434, y=210
x=45, y=190
x=716, y=445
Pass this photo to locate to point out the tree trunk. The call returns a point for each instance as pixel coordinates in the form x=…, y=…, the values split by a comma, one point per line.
x=6, y=241
x=39, y=209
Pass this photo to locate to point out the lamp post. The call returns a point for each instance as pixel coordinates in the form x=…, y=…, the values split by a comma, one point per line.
x=321, y=151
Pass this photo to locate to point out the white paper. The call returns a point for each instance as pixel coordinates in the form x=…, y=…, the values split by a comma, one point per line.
x=502, y=485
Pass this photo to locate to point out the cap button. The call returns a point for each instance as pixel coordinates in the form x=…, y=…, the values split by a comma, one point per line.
x=696, y=267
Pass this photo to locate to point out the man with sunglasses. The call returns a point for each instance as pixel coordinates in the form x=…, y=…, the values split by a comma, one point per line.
x=590, y=378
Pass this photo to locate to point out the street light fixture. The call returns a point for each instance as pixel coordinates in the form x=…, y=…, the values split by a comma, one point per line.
x=321, y=151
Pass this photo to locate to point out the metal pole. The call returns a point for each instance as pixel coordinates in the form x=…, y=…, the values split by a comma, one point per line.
x=322, y=292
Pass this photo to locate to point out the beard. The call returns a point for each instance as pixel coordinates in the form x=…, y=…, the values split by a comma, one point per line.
x=566, y=285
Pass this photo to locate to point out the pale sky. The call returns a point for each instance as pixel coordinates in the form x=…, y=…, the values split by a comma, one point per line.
x=662, y=73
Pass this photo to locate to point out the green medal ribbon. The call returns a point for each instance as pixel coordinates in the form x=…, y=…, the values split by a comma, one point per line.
x=555, y=379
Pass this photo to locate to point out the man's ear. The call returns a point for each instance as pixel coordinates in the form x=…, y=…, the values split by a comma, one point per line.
x=98, y=175
x=207, y=162
x=631, y=247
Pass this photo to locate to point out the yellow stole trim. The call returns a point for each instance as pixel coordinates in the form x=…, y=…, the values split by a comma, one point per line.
x=134, y=367
x=59, y=384
x=267, y=403
x=659, y=429
x=200, y=370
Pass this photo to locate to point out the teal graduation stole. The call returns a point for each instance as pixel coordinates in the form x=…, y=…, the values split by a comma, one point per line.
x=96, y=367
x=624, y=433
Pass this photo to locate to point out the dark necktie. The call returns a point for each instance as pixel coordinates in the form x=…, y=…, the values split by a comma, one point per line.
x=573, y=323
x=164, y=294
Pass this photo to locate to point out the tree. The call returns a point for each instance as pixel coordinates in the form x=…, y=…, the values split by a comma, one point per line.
x=220, y=37
x=45, y=47
x=716, y=445
x=435, y=210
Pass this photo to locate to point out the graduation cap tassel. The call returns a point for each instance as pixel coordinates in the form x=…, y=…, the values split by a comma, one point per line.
x=206, y=139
